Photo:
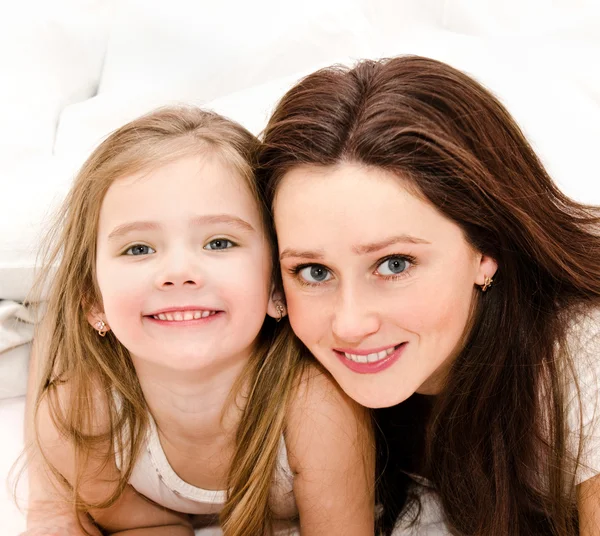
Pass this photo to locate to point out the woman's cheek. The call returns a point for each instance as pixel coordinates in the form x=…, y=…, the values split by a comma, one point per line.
x=302, y=311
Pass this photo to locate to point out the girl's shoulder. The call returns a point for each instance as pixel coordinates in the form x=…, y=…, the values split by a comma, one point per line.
x=320, y=411
x=64, y=401
x=331, y=451
x=318, y=395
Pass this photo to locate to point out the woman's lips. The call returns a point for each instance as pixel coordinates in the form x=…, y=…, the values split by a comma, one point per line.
x=372, y=361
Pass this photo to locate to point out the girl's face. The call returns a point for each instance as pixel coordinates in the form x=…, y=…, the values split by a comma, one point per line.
x=183, y=266
x=379, y=284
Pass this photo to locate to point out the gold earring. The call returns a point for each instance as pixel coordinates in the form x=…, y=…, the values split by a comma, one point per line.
x=487, y=283
x=101, y=328
x=280, y=309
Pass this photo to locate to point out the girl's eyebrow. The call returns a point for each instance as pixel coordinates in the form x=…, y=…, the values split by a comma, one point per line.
x=125, y=228
x=362, y=249
x=229, y=219
x=207, y=219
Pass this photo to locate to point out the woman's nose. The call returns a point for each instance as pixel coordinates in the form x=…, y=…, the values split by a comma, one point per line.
x=353, y=318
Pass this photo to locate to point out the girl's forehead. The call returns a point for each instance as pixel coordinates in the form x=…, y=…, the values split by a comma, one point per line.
x=192, y=185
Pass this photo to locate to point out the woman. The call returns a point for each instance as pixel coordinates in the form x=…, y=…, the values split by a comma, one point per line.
x=433, y=267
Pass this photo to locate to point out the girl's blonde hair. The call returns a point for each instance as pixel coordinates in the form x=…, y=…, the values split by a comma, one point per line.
x=101, y=367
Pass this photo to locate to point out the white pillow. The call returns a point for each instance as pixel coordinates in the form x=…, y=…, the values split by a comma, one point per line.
x=36, y=188
x=215, y=48
x=50, y=56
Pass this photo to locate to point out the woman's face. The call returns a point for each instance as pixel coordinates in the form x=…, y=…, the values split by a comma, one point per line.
x=379, y=284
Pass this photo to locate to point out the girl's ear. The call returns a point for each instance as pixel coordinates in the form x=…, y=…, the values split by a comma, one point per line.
x=276, y=307
x=487, y=269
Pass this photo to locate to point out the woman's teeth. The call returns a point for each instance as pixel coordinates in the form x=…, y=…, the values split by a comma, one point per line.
x=370, y=358
x=180, y=316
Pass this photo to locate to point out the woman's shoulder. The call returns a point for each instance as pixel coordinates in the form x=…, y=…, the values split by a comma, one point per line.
x=583, y=392
x=583, y=347
x=583, y=333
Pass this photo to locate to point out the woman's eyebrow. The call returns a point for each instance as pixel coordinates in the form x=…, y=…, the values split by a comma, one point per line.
x=207, y=219
x=362, y=249
x=302, y=254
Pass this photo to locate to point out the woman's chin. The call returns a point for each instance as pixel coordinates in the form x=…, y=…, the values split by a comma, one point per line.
x=373, y=396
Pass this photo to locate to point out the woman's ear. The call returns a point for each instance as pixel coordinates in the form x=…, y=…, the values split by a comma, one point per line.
x=276, y=307
x=487, y=269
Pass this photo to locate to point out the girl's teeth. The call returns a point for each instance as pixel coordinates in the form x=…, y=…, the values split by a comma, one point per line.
x=179, y=316
x=370, y=358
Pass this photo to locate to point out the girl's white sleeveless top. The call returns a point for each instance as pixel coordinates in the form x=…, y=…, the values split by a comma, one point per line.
x=153, y=477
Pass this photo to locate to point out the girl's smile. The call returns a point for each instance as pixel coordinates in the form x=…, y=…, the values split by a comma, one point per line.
x=183, y=316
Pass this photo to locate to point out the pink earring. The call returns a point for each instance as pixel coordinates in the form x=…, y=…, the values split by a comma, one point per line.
x=101, y=328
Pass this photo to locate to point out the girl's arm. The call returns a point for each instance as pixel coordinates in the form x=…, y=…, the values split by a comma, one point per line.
x=132, y=514
x=47, y=513
x=331, y=451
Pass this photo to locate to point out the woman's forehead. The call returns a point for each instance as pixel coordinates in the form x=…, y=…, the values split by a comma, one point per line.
x=356, y=205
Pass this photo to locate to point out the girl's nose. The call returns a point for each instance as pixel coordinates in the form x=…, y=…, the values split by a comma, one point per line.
x=180, y=269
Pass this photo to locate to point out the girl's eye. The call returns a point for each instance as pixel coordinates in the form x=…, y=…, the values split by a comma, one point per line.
x=139, y=249
x=393, y=266
x=219, y=243
x=315, y=273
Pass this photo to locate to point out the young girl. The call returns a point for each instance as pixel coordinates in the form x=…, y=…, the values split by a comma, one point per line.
x=432, y=266
x=167, y=401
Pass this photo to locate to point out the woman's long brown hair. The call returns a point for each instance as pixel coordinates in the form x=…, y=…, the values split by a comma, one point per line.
x=99, y=370
x=494, y=442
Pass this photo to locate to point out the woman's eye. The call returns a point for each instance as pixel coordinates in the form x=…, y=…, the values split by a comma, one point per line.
x=139, y=249
x=393, y=266
x=315, y=274
x=219, y=243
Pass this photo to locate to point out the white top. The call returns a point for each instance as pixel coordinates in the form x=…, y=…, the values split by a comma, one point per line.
x=153, y=477
x=584, y=346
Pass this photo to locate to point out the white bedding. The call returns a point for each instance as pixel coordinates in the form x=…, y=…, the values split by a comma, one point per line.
x=12, y=520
